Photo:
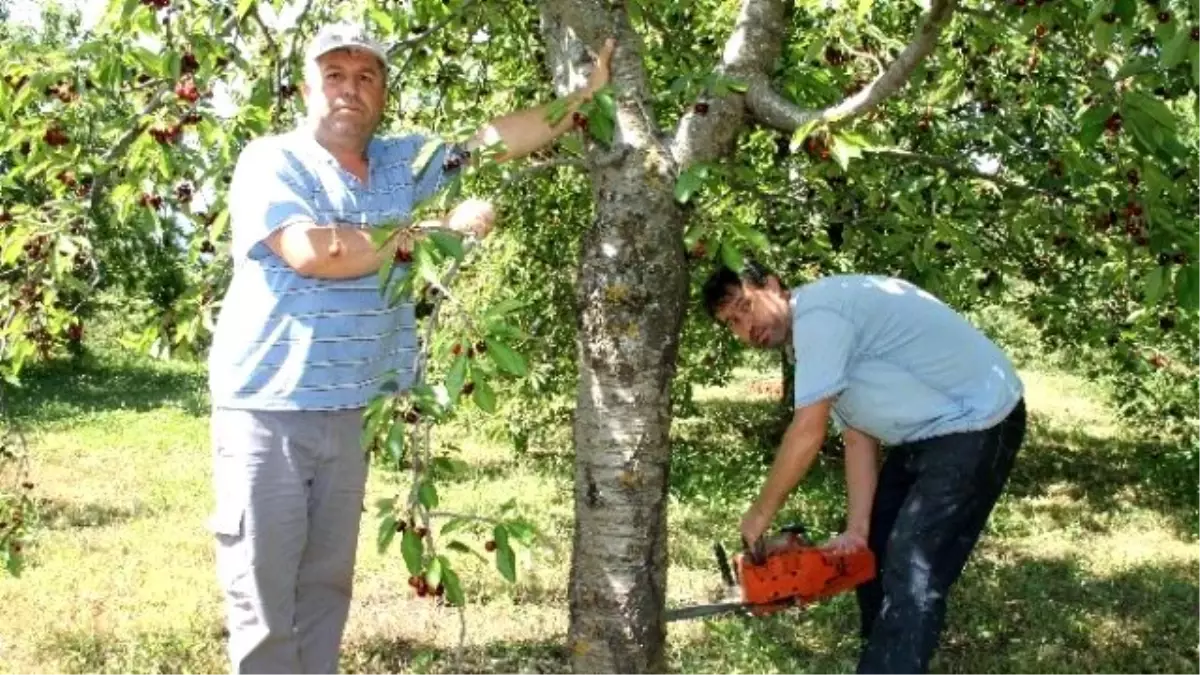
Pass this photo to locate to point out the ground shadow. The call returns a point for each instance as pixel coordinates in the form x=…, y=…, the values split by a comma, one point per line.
x=1107, y=474
x=60, y=514
x=200, y=648
x=1053, y=615
x=382, y=654
x=1022, y=615
x=65, y=388
x=718, y=464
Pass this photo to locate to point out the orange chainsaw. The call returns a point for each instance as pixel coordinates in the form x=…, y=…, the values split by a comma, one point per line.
x=788, y=571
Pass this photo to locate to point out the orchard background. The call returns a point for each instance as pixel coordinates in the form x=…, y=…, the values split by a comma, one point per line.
x=1032, y=163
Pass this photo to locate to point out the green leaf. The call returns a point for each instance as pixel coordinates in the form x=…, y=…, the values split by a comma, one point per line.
x=689, y=182
x=1153, y=285
x=732, y=256
x=483, y=395
x=843, y=152
x=220, y=224
x=1187, y=286
x=1099, y=9
x=602, y=129
x=456, y=545
x=507, y=359
x=522, y=531
x=500, y=534
x=385, y=505
x=1104, y=33
x=433, y=576
x=1126, y=10
x=556, y=111
x=128, y=9
x=385, y=274
x=412, y=548
x=243, y=8
x=448, y=244
x=387, y=531
x=395, y=443
x=506, y=561
x=802, y=133
x=504, y=307
x=14, y=563
x=1153, y=107
x=384, y=20
x=454, y=592
x=1091, y=124
x=862, y=9
x=422, y=160
x=427, y=495
x=1177, y=48
x=456, y=376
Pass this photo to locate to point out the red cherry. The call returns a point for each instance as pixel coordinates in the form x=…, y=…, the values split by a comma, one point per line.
x=701, y=108
x=188, y=63
x=490, y=546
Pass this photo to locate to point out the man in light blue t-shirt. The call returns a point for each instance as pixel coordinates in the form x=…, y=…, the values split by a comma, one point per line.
x=891, y=365
x=305, y=339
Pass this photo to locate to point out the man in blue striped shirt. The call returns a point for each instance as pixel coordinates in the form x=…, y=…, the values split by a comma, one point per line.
x=304, y=340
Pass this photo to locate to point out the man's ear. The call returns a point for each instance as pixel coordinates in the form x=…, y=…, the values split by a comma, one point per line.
x=773, y=284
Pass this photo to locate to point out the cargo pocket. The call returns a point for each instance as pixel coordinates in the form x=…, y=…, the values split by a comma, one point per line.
x=227, y=519
x=227, y=523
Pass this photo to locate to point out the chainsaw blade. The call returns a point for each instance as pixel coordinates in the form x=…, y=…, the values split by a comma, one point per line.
x=701, y=611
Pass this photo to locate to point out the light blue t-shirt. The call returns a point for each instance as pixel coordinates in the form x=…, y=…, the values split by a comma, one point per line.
x=902, y=365
x=288, y=342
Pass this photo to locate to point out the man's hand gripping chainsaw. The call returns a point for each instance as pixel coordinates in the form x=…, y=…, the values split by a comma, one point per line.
x=784, y=572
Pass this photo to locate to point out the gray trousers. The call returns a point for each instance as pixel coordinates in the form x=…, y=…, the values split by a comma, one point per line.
x=289, y=497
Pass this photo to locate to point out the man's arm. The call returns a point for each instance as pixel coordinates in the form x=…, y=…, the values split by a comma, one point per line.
x=862, y=472
x=339, y=252
x=527, y=131
x=801, y=443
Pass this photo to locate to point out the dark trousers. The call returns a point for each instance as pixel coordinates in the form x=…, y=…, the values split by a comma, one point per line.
x=931, y=503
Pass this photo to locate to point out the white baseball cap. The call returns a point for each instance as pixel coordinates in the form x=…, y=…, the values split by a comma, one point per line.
x=344, y=35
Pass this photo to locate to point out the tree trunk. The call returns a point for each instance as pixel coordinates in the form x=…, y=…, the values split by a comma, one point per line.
x=631, y=293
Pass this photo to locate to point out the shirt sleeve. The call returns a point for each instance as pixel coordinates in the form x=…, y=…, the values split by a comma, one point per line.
x=823, y=341
x=268, y=192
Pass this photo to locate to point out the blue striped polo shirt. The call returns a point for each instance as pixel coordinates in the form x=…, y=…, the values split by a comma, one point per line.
x=288, y=342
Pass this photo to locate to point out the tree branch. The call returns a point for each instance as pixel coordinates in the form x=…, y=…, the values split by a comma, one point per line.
x=774, y=110
x=751, y=50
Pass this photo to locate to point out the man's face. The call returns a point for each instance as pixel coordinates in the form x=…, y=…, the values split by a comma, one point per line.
x=349, y=102
x=757, y=315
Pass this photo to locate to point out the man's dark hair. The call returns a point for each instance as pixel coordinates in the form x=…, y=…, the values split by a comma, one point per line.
x=724, y=282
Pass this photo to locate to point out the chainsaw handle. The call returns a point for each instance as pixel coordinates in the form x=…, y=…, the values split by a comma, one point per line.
x=757, y=552
x=797, y=529
x=723, y=565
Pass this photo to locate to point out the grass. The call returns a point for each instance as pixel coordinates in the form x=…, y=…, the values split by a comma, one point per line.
x=1090, y=562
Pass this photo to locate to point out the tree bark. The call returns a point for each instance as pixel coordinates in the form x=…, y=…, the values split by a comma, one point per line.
x=631, y=296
